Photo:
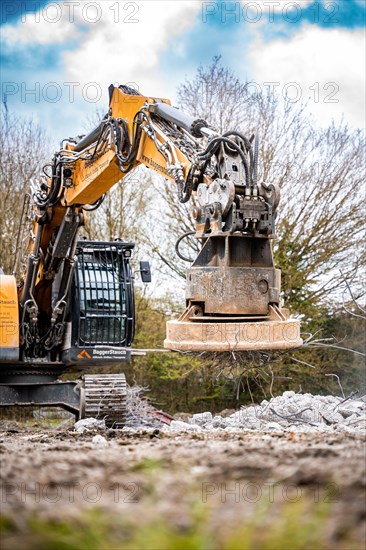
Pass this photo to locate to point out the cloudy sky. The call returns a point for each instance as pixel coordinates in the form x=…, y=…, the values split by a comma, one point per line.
x=58, y=58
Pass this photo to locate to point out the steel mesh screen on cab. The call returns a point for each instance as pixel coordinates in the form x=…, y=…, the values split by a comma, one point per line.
x=103, y=283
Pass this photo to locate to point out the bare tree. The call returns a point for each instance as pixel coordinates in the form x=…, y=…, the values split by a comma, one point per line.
x=320, y=172
x=23, y=150
x=216, y=95
x=172, y=219
x=124, y=210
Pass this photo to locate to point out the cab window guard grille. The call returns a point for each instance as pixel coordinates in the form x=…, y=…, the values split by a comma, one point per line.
x=105, y=299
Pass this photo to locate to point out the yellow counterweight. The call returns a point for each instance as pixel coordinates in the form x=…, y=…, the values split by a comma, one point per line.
x=9, y=319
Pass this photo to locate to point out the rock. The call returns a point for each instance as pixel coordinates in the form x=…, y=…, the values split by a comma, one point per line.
x=308, y=403
x=99, y=440
x=182, y=416
x=89, y=424
x=273, y=426
x=253, y=425
x=358, y=404
x=236, y=425
x=356, y=420
x=294, y=411
x=311, y=415
x=345, y=411
x=227, y=412
x=303, y=396
x=331, y=416
x=288, y=394
x=237, y=417
x=245, y=414
x=208, y=426
x=294, y=408
x=359, y=425
x=351, y=419
x=332, y=399
x=201, y=418
x=219, y=422
x=179, y=426
x=322, y=398
x=350, y=408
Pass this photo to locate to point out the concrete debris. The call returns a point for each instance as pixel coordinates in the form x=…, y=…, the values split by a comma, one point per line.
x=179, y=426
x=89, y=425
x=202, y=418
x=99, y=440
x=292, y=412
x=140, y=413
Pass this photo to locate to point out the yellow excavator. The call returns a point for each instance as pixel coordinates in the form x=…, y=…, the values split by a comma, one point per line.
x=70, y=301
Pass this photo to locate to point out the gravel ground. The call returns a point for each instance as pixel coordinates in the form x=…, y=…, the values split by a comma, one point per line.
x=225, y=487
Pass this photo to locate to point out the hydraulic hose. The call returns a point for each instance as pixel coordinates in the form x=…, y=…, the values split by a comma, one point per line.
x=255, y=164
x=247, y=144
x=215, y=143
x=179, y=254
x=90, y=138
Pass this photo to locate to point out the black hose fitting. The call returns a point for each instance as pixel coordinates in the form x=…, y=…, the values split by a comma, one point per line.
x=197, y=126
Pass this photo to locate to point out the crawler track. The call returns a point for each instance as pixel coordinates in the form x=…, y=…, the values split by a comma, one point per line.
x=104, y=397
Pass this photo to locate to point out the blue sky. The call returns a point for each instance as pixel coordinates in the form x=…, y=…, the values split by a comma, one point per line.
x=58, y=58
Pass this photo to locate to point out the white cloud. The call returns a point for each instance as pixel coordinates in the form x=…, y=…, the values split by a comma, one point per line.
x=316, y=55
x=51, y=25
x=116, y=49
x=123, y=44
x=129, y=52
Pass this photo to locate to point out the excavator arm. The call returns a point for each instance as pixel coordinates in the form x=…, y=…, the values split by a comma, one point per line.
x=70, y=302
x=233, y=288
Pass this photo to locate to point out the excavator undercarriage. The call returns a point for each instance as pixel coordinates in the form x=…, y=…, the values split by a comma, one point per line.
x=101, y=396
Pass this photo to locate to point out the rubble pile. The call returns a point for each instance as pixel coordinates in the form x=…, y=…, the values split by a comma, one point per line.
x=291, y=411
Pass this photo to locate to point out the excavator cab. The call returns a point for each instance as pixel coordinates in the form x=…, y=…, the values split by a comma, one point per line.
x=100, y=322
x=99, y=330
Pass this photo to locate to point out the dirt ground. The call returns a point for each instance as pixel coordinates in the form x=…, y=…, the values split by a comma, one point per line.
x=61, y=489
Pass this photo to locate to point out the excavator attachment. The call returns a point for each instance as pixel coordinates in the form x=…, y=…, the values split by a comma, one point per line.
x=233, y=295
x=268, y=333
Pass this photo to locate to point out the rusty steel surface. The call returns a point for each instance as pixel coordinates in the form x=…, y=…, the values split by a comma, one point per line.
x=234, y=290
x=235, y=336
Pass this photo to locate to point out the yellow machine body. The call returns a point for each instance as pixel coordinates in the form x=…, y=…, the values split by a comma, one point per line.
x=9, y=319
x=94, y=178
